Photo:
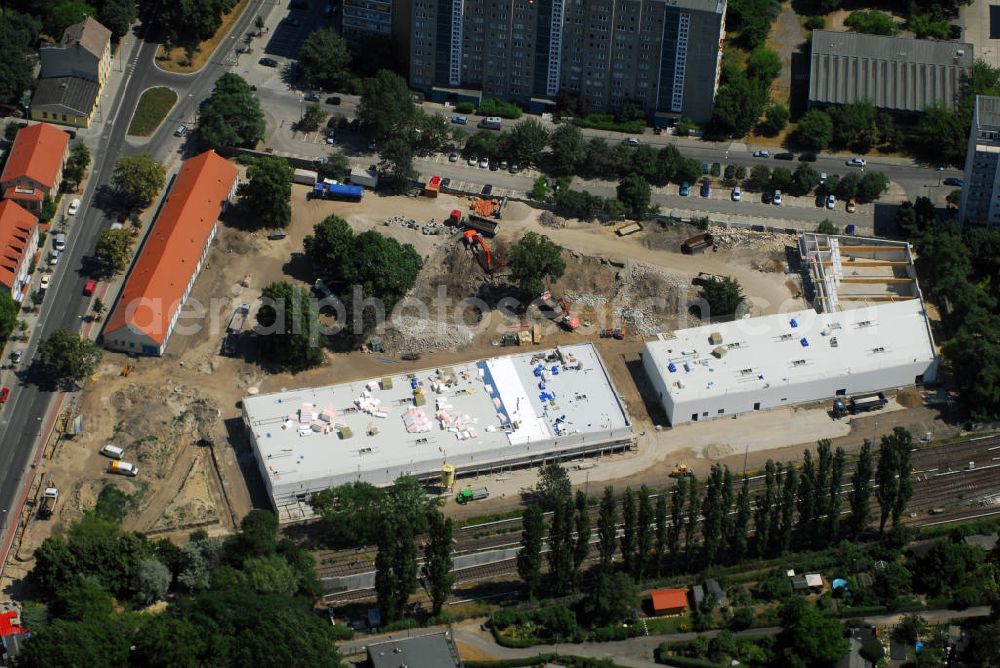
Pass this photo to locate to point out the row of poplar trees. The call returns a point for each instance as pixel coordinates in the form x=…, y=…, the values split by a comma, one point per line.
x=701, y=523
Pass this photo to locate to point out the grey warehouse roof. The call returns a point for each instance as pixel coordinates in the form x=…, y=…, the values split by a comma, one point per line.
x=430, y=651
x=895, y=73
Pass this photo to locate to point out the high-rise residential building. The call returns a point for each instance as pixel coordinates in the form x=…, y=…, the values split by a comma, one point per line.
x=661, y=54
x=981, y=191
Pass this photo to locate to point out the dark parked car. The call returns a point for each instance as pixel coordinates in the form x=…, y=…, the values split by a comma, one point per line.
x=268, y=62
x=333, y=99
x=730, y=171
x=766, y=197
x=784, y=156
x=275, y=235
x=705, y=189
x=952, y=181
x=312, y=97
x=807, y=157
x=487, y=190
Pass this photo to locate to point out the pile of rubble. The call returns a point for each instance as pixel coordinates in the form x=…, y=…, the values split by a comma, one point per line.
x=727, y=238
x=644, y=295
x=412, y=334
x=431, y=227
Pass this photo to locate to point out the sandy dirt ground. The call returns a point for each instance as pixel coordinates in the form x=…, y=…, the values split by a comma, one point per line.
x=178, y=417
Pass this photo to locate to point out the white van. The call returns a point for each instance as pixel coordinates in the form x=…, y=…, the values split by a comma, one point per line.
x=113, y=451
x=124, y=468
x=491, y=123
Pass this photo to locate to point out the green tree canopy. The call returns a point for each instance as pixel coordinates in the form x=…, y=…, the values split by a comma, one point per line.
x=723, y=296
x=814, y=130
x=872, y=23
x=69, y=357
x=526, y=142
x=386, y=108
x=396, y=166
x=764, y=65
x=312, y=118
x=18, y=35
x=775, y=119
x=113, y=251
x=855, y=125
x=288, y=326
x=231, y=117
x=266, y=194
x=139, y=179
x=535, y=259
x=323, y=58
x=117, y=15
x=809, y=638
x=567, y=150
x=553, y=485
x=738, y=104
x=76, y=165
x=9, y=310
x=635, y=193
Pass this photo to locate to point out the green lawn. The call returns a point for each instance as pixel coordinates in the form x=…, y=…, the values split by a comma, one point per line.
x=153, y=107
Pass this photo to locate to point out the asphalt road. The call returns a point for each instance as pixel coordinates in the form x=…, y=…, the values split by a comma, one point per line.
x=283, y=105
x=64, y=306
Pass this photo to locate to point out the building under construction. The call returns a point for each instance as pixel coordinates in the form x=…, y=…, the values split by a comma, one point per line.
x=473, y=418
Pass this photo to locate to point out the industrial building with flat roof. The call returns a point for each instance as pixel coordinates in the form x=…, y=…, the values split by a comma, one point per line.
x=478, y=416
x=899, y=74
x=753, y=364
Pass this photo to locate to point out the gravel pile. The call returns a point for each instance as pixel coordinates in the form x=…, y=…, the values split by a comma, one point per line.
x=727, y=238
x=411, y=334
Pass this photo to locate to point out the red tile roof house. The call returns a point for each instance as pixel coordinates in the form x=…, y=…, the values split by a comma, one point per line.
x=35, y=165
x=164, y=273
x=18, y=243
x=669, y=601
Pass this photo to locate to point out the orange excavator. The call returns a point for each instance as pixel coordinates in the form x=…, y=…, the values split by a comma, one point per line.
x=472, y=237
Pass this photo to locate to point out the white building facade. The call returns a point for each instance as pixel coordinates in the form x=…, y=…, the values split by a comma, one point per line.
x=770, y=361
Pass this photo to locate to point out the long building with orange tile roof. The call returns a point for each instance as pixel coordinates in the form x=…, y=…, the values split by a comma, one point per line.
x=34, y=167
x=18, y=243
x=165, y=271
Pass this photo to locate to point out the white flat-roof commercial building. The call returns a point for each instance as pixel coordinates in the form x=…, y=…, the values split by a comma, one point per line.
x=477, y=416
x=791, y=358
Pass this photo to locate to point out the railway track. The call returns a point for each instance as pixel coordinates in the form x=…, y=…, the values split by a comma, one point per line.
x=940, y=481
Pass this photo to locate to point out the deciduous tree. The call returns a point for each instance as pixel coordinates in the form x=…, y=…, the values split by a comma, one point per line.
x=232, y=116
x=288, y=326
x=814, y=130
x=138, y=179
x=323, y=58
x=634, y=192
x=553, y=486
x=267, y=193
x=69, y=357
x=534, y=260
x=722, y=296
x=607, y=530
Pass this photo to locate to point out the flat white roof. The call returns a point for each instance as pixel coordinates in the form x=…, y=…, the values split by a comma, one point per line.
x=790, y=348
x=476, y=412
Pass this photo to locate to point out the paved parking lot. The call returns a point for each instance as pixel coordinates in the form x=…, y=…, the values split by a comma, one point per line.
x=284, y=38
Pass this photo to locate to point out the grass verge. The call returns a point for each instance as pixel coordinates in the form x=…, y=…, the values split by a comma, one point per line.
x=172, y=60
x=153, y=107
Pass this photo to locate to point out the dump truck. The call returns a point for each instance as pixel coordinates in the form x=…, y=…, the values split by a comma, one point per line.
x=306, y=177
x=123, y=468
x=482, y=224
x=468, y=494
x=361, y=177
x=863, y=403
x=697, y=244
x=49, y=499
